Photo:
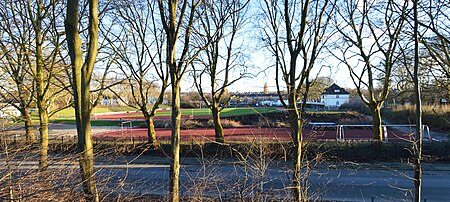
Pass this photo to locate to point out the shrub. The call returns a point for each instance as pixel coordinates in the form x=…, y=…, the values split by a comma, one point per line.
x=162, y=123
x=191, y=124
x=437, y=117
x=356, y=105
x=267, y=123
x=226, y=123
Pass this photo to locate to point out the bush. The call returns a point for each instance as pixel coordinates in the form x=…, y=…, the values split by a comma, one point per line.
x=191, y=124
x=226, y=123
x=162, y=123
x=185, y=124
x=356, y=105
x=437, y=117
x=267, y=123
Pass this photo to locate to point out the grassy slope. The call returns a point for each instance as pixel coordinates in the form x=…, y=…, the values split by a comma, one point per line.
x=226, y=112
x=66, y=116
x=69, y=112
x=436, y=117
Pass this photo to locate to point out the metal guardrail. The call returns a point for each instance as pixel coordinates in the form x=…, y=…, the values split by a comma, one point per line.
x=340, y=132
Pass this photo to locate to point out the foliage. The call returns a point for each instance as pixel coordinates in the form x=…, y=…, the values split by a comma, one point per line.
x=356, y=105
x=437, y=117
x=226, y=123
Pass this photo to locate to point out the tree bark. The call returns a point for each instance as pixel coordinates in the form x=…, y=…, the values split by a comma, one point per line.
x=218, y=128
x=175, y=140
x=43, y=131
x=418, y=99
x=151, y=133
x=29, y=131
x=177, y=67
x=85, y=147
x=296, y=124
x=81, y=76
x=40, y=85
x=377, y=130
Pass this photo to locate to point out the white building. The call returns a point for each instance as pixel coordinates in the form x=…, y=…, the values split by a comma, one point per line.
x=8, y=111
x=334, y=96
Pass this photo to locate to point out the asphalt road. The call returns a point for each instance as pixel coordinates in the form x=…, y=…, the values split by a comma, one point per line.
x=325, y=184
x=332, y=181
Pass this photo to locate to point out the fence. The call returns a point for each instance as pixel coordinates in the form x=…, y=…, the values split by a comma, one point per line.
x=403, y=129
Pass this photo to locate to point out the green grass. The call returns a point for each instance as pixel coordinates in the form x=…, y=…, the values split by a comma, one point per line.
x=247, y=111
x=66, y=116
x=96, y=122
x=226, y=112
x=70, y=112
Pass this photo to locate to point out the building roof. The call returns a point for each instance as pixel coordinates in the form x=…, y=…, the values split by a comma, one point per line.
x=334, y=90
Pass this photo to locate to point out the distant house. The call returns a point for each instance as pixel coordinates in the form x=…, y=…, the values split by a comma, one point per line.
x=334, y=96
x=8, y=111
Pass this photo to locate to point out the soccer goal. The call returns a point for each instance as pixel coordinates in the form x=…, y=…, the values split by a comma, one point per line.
x=126, y=126
x=390, y=132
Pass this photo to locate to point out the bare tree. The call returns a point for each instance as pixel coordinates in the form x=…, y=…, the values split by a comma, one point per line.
x=81, y=78
x=370, y=32
x=220, y=24
x=417, y=93
x=39, y=21
x=44, y=17
x=436, y=33
x=138, y=49
x=177, y=18
x=17, y=86
x=295, y=33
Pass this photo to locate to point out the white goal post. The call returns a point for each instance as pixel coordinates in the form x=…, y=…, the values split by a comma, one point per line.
x=126, y=126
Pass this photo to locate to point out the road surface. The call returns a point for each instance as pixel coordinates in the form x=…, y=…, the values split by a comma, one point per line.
x=224, y=178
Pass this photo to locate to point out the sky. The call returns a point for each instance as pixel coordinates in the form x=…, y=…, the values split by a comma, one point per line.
x=339, y=74
x=259, y=58
x=262, y=73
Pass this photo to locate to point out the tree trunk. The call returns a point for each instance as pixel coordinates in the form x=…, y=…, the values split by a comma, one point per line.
x=40, y=85
x=43, y=131
x=295, y=122
x=418, y=99
x=86, y=151
x=377, y=131
x=175, y=152
x=151, y=133
x=81, y=76
x=220, y=137
x=29, y=131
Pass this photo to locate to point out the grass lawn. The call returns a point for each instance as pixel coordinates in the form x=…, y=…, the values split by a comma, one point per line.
x=66, y=116
x=70, y=112
x=246, y=111
x=96, y=122
x=226, y=112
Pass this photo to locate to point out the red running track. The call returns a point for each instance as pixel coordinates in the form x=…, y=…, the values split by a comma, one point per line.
x=248, y=134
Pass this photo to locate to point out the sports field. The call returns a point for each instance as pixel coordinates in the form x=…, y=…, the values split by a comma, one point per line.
x=252, y=133
x=235, y=134
x=186, y=113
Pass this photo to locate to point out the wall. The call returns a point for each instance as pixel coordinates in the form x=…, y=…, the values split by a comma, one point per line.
x=334, y=100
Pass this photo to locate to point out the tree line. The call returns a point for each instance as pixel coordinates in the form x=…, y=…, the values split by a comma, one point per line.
x=52, y=49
